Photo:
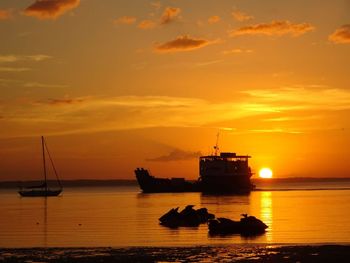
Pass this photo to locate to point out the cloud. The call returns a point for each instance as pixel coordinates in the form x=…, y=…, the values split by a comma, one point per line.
x=182, y=43
x=92, y=114
x=56, y=102
x=13, y=69
x=176, y=155
x=156, y=5
x=275, y=28
x=294, y=118
x=43, y=85
x=50, y=9
x=277, y=130
x=314, y=97
x=214, y=19
x=237, y=51
x=341, y=35
x=20, y=83
x=146, y=24
x=16, y=58
x=169, y=15
x=241, y=16
x=208, y=63
x=5, y=14
x=125, y=20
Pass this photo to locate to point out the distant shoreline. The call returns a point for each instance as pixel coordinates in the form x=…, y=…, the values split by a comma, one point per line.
x=132, y=182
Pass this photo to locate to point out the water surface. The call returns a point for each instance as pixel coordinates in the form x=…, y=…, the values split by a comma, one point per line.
x=122, y=216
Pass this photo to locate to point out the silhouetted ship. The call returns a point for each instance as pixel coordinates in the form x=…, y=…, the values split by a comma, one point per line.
x=224, y=173
x=43, y=189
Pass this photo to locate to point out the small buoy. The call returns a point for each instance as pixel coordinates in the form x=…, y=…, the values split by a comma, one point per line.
x=79, y=224
x=37, y=223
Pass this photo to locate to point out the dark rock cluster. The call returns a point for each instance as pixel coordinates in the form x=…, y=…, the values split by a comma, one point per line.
x=248, y=225
x=190, y=217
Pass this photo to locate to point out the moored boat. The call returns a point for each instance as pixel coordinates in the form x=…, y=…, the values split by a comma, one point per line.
x=226, y=172
x=43, y=189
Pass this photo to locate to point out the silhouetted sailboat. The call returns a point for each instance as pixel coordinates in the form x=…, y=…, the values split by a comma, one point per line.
x=43, y=189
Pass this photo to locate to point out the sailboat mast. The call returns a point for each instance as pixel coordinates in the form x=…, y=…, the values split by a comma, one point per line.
x=216, y=147
x=44, y=161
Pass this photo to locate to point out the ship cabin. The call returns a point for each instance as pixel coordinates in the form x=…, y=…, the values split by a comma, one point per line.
x=225, y=164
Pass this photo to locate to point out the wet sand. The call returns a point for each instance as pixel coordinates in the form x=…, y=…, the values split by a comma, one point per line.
x=248, y=253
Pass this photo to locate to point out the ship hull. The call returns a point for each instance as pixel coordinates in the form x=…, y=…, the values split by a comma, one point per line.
x=151, y=184
x=207, y=185
x=39, y=193
x=226, y=184
x=160, y=185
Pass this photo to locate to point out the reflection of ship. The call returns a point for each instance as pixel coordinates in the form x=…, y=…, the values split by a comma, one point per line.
x=43, y=189
x=224, y=173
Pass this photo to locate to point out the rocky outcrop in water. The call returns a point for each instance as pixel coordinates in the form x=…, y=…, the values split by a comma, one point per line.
x=189, y=217
x=248, y=225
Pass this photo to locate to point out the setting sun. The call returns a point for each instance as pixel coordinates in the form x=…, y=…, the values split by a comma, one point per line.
x=265, y=173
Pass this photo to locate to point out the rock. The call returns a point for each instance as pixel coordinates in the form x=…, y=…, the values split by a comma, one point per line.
x=248, y=225
x=188, y=217
x=171, y=218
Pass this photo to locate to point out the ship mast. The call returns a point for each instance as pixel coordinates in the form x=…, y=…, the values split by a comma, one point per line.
x=44, y=161
x=216, y=147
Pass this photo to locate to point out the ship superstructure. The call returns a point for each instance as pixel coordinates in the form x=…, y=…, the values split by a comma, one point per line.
x=227, y=172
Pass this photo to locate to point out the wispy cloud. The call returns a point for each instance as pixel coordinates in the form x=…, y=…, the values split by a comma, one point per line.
x=16, y=58
x=275, y=28
x=241, y=16
x=169, y=15
x=293, y=118
x=125, y=20
x=277, y=130
x=147, y=24
x=341, y=35
x=214, y=19
x=71, y=115
x=14, y=69
x=65, y=101
x=176, y=155
x=88, y=114
x=50, y=9
x=19, y=83
x=5, y=14
x=208, y=63
x=43, y=85
x=182, y=43
x=156, y=5
x=236, y=51
x=304, y=98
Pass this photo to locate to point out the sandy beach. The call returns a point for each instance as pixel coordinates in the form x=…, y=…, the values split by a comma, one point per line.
x=251, y=253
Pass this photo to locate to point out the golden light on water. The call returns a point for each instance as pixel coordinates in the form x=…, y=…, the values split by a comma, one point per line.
x=266, y=212
x=265, y=173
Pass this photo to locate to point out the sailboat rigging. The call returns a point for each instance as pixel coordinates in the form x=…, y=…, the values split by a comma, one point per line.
x=43, y=189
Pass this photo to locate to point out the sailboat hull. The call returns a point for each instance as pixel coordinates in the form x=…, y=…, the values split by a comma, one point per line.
x=39, y=193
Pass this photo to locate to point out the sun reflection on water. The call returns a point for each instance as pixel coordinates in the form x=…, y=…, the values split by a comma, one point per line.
x=266, y=213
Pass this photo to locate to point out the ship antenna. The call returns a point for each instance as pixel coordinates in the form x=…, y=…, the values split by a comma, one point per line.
x=216, y=147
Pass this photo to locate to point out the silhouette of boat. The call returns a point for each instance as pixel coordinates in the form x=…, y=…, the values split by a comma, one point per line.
x=151, y=184
x=43, y=189
x=226, y=172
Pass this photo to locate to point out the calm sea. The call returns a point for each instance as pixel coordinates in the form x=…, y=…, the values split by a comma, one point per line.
x=122, y=216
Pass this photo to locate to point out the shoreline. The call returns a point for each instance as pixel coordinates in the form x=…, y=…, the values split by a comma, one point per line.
x=214, y=253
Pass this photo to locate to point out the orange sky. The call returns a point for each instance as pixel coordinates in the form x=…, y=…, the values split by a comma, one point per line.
x=118, y=84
